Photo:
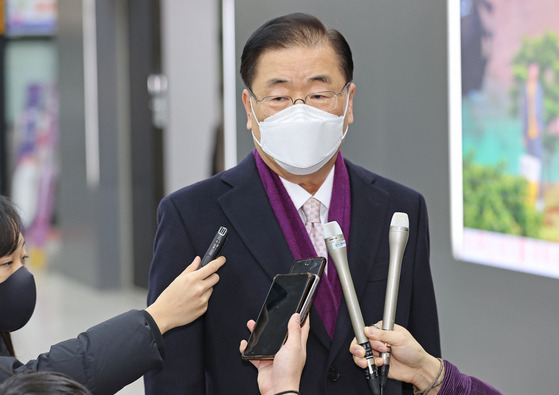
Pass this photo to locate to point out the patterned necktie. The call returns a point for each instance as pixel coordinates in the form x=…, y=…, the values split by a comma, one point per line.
x=326, y=302
x=314, y=226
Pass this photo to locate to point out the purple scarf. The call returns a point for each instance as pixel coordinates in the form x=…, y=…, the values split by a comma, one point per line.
x=329, y=292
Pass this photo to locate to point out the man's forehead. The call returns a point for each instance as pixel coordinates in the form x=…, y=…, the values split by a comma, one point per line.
x=322, y=48
x=283, y=66
x=275, y=81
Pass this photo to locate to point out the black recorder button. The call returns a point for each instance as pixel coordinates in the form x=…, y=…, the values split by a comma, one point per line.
x=333, y=374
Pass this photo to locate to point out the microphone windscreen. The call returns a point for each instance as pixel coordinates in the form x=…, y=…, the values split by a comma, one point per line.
x=332, y=229
x=401, y=220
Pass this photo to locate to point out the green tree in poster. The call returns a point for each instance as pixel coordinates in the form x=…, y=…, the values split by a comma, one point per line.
x=495, y=201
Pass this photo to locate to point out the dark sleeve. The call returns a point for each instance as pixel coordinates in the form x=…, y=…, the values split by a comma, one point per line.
x=10, y=366
x=105, y=358
x=156, y=333
x=456, y=383
x=183, y=368
x=423, y=322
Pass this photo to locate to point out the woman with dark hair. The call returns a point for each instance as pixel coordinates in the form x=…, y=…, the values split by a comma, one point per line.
x=109, y=355
x=42, y=383
x=10, y=225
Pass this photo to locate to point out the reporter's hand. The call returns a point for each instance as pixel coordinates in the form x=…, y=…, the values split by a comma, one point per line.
x=284, y=371
x=409, y=362
x=186, y=298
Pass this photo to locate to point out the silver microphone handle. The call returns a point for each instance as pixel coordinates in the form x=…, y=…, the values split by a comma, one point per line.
x=338, y=251
x=398, y=239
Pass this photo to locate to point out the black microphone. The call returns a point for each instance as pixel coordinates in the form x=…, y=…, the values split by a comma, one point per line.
x=335, y=242
x=215, y=246
x=397, y=240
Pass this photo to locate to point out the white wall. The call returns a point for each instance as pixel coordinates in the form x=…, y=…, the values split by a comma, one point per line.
x=190, y=51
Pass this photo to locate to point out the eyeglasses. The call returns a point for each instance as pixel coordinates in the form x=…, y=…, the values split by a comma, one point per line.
x=324, y=100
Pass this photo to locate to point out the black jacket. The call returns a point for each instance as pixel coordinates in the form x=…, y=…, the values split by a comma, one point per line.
x=256, y=250
x=105, y=358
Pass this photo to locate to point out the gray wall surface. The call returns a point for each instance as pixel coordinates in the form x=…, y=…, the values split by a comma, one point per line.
x=190, y=56
x=94, y=218
x=496, y=324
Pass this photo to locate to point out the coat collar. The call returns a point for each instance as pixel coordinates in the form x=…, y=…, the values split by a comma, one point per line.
x=255, y=224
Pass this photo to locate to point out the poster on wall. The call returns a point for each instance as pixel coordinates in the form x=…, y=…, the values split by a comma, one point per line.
x=36, y=166
x=504, y=125
x=31, y=17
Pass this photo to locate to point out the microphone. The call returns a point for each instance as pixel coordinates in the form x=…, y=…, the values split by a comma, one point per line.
x=335, y=243
x=397, y=240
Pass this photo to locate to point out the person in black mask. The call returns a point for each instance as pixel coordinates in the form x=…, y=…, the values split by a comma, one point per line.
x=109, y=355
x=17, y=287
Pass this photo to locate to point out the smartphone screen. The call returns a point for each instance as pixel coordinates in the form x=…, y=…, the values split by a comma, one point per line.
x=309, y=265
x=285, y=297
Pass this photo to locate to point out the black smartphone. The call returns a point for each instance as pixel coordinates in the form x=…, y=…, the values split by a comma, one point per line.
x=215, y=246
x=289, y=293
x=314, y=266
x=309, y=265
x=309, y=299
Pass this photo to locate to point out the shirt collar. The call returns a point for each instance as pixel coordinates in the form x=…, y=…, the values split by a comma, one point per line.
x=299, y=195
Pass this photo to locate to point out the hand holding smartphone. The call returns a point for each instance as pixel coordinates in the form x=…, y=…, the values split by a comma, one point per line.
x=289, y=293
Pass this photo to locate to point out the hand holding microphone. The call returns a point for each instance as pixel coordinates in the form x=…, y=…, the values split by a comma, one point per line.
x=336, y=245
x=397, y=240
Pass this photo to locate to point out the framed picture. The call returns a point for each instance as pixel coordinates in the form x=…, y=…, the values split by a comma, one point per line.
x=504, y=133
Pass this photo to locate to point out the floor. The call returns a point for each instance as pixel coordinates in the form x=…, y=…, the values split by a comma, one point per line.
x=60, y=315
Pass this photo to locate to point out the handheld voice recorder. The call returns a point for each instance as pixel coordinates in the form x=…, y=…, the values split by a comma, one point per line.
x=215, y=247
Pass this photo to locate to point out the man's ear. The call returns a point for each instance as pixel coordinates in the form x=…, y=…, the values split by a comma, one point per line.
x=248, y=109
x=349, y=115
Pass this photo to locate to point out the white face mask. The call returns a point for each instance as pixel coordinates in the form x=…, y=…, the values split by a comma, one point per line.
x=301, y=138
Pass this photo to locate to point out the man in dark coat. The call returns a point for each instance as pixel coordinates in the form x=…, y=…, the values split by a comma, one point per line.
x=299, y=103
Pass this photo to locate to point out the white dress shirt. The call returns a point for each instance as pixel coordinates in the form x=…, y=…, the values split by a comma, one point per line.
x=299, y=196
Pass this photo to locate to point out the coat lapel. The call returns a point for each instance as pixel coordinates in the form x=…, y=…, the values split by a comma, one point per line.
x=248, y=209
